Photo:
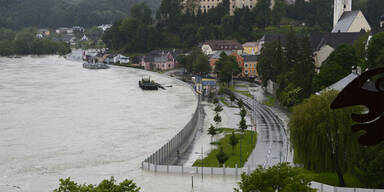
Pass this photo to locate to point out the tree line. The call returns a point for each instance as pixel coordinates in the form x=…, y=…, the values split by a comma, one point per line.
x=178, y=25
x=18, y=14
x=292, y=67
x=322, y=138
x=25, y=42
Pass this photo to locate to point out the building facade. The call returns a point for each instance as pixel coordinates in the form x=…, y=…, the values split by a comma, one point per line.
x=206, y=5
x=250, y=66
x=212, y=47
x=251, y=48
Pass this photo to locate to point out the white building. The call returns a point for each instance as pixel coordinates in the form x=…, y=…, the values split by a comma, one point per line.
x=211, y=47
x=345, y=20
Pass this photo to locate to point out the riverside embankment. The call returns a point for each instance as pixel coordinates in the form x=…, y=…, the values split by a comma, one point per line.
x=59, y=120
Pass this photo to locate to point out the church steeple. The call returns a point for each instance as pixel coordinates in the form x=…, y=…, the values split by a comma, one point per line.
x=340, y=6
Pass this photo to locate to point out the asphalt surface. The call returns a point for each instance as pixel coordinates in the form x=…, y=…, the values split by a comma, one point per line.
x=272, y=143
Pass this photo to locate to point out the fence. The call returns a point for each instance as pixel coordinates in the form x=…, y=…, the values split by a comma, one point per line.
x=224, y=171
x=327, y=188
x=170, y=152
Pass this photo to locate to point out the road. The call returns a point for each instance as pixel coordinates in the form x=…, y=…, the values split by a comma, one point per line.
x=272, y=143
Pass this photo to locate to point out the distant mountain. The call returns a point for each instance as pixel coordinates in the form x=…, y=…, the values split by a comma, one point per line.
x=57, y=13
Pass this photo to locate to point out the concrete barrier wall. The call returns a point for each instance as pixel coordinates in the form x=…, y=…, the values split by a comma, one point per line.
x=172, y=150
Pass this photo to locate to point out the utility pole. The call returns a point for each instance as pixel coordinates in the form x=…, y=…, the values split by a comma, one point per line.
x=202, y=164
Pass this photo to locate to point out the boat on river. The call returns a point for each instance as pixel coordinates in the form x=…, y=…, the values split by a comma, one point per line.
x=95, y=66
x=147, y=84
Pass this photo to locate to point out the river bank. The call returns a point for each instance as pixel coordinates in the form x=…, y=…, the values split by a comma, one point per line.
x=59, y=120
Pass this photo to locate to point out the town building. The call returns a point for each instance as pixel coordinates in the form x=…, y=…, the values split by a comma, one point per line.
x=158, y=60
x=204, y=86
x=206, y=5
x=251, y=48
x=64, y=30
x=211, y=47
x=250, y=66
x=44, y=32
x=329, y=42
x=78, y=29
x=104, y=27
x=346, y=20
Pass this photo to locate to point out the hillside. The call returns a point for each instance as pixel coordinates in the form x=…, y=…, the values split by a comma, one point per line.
x=55, y=13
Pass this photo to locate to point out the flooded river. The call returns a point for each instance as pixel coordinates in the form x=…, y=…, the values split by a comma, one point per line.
x=59, y=120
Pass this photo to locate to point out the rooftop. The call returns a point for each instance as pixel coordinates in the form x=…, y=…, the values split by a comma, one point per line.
x=336, y=39
x=224, y=44
x=250, y=44
x=345, y=21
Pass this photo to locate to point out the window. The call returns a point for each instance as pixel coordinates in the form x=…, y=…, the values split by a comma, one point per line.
x=208, y=6
x=246, y=72
x=246, y=65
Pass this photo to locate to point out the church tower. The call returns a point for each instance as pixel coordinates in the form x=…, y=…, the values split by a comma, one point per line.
x=339, y=7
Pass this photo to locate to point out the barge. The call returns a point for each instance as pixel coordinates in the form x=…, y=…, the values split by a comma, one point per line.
x=147, y=84
x=95, y=66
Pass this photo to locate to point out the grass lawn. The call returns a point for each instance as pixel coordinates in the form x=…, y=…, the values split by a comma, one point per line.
x=246, y=147
x=332, y=179
x=271, y=101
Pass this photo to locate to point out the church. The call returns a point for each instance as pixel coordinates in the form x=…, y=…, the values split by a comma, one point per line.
x=347, y=21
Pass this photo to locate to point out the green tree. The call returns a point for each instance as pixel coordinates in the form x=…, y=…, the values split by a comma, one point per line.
x=217, y=119
x=142, y=12
x=270, y=62
x=226, y=68
x=305, y=68
x=280, y=177
x=240, y=103
x=218, y=108
x=67, y=185
x=221, y=157
x=374, y=11
x=232, y=98
x=233, y=140
x=375, y=52
x=262, y=13
x=278, y=12
x=372, y=171
x=243, y=112
x=322, y=138
x=212, y=131
x=243, y=124
x=337, y=66
x=201, y=64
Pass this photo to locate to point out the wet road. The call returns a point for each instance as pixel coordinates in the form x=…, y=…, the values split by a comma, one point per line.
x=272, y=145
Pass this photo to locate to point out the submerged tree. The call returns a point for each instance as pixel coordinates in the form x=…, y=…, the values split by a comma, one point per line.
x=322, y=138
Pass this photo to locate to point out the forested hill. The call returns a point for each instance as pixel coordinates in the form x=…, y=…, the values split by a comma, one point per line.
x=56, y=13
